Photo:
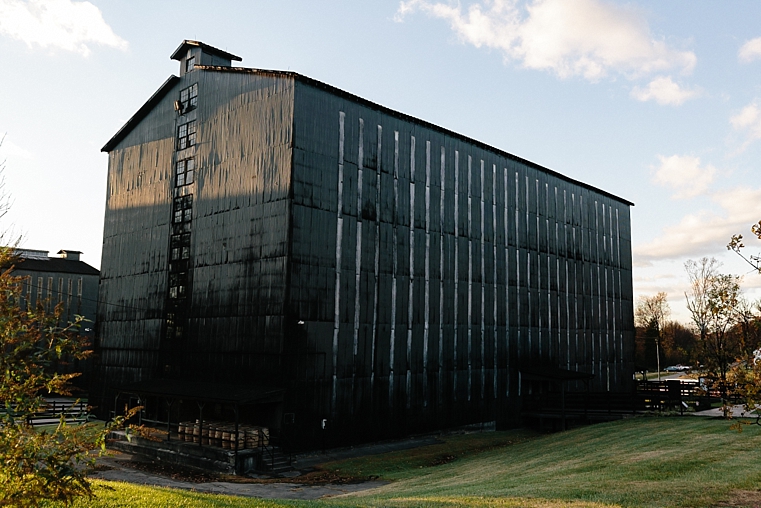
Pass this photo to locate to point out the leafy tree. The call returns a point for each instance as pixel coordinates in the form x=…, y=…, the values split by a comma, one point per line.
x=718, y=309
x=651, y=315
x=736, y=244
x=37, y=465
x=748, y=326
x=746, y=375
x=701, y=274
x=679, y=343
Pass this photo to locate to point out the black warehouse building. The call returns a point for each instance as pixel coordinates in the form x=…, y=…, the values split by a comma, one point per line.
x=381, y=273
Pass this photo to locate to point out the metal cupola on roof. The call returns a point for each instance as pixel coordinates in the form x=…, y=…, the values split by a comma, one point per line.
x=192, y=53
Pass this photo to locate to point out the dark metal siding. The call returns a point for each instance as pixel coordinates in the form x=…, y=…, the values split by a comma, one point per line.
x=233, y=315
x=240, y=228
x=533, y=268
x=134, y=259
x=391, y=275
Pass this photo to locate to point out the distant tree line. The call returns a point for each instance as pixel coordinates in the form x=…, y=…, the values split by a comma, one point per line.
x=722, y=341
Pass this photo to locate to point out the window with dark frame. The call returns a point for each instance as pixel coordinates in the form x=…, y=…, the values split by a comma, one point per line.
x=177, y=284
x=180, y=247
x=184, y=172
x=170, y=325
x=186, y=135
x=190, y=63
x=189, y=97
x=182, y=210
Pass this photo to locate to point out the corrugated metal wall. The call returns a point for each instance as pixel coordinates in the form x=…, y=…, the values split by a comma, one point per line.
x=232, y=318
x=392, y=275
x=134, y=258
x=428, y=268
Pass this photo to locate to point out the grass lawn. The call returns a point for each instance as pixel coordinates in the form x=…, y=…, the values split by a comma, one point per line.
x=648, y=461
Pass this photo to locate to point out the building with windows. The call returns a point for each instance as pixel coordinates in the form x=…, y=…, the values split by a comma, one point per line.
x=265, y=229
x=66, y=280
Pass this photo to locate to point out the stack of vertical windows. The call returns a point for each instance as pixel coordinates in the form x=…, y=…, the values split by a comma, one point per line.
x=178, y=287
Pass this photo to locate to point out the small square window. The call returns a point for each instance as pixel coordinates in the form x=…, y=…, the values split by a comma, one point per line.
x=190, y=64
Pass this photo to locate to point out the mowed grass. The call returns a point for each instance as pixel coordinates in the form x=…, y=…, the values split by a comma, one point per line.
x=125, y=495
x=642, y=462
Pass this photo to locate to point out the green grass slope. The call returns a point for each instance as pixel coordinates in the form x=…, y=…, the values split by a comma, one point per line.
x=640, y=462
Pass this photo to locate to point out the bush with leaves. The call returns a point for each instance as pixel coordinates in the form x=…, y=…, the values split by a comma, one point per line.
x=38, y=464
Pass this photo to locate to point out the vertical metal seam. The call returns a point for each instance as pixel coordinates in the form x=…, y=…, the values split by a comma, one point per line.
x=410, y=310
x=620, y=288
x=567, y=288
x=358, y=257
x=470, y=277
x=441, y=279
x=507, y=288
x=528, y=273
x=339, y=239
x=494, y=276
x=456, y=270
x=517, y=275
x=376, y=264
x=427, y=300
x=483, y=288
x=395, y=254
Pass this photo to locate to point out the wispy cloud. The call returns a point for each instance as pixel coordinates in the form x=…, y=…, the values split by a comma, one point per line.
x=751, y=50
x=707, y=231
x=665, y=91
x=684, y=174
x=10, y=150
x=748, y=122
x=588, y=38
x=57, y=24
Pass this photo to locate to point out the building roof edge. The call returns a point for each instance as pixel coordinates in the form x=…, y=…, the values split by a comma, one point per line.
x=140, y=114
x=410, y=118
x=177, y=55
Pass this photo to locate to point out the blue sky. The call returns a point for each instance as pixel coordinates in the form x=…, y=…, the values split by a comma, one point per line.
x=657, y=102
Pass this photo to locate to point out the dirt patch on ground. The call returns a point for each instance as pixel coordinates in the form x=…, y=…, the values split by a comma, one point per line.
x=179, y=473
x=190, y=475
x=440, y=460
x=742, y=499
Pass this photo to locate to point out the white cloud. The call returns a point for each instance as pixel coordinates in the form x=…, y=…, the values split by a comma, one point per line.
x=705, y=232
x=665, y=92
x=62, y=24
x=588, y=38
x=11, y=151
x=748, y=121
x=751, y=50
x=684, y=174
